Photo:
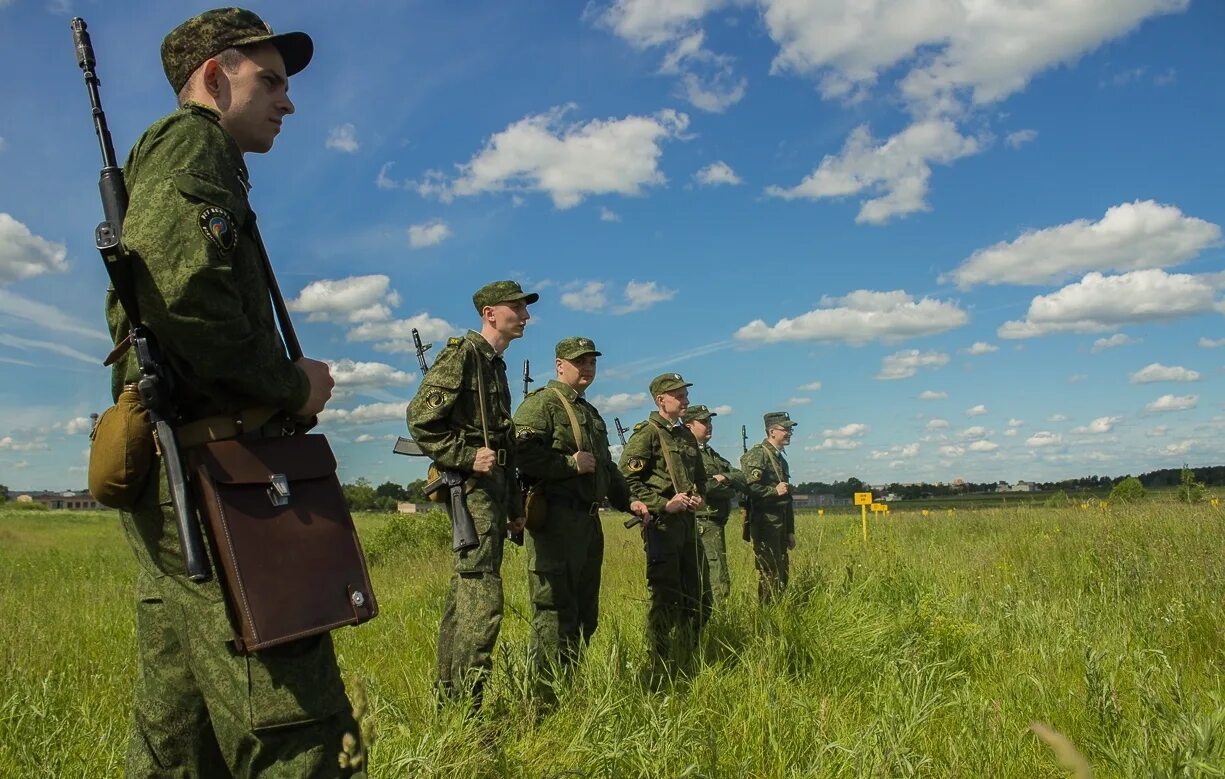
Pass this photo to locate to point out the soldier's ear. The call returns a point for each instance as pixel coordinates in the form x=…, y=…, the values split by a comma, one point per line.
x=212, y=78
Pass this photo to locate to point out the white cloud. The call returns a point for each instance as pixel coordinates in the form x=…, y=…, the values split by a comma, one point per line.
x=1158, y=372
x=894, y=452
x=952, y=450
x=641, y=295
x=861, y=317
x=608, y=215
x=840, y=444
x=1057, y=418
x=906, y=363
x=1160, y=431
x=1098, y=426
x=811, y=386
x=1209, y=343
x=1112, y=342
x=1043, y=438
x=975, y=432
x=343, y=138
x=589, y=297
x=1014, y=422
x=1182, y=447
x=980, y=347
x=48, y=317
x=569, y=162
x=395, y=336
x=976, y=411
x=1132, y=236
x=351, y=299
x=717, y=173
x=78, y=425
x=429, y=233
x=848, y=430
x=937, y=424
x=1098, y=302
x=28, y=344
x=621, y=401
x=1020, y=138
x=932, y=395
x=24, y=255
x=367, y=375
x=369, y=413
x=983, y=446
x=724, y=410
x=9, y=444
x=895, y=171
x=1012, y=431
x=1173, y=403
x=798, y=401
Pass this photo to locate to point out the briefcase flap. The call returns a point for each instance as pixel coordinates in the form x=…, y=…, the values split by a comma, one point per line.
x=256, y=461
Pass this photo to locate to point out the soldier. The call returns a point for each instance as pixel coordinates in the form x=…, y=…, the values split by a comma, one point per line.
x=202, y=709
x=723, y=483
x=461, y=418
x=563, y=452
x=771, y=507
x=664, y=470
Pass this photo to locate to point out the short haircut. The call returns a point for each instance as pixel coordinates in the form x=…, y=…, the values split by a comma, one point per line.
x=229, y=59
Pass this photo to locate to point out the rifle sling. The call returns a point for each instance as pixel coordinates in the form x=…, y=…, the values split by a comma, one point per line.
x=669, y=466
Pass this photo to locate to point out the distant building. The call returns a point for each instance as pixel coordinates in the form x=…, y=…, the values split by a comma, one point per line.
x=1023, y=486
x=72, y=500
x=406, y=507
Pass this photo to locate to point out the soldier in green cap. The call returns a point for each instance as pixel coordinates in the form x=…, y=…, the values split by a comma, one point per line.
x=201, y=708
x=771, y=507
x=664, y=470
x=461, y=417
x=723, y=484
x=563, y=453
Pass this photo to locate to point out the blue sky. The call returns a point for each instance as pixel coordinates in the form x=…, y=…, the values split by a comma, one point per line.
x=981, y=244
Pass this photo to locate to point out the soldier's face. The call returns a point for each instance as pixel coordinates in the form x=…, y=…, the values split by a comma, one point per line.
x=780, y=436
x=702, y=429
x=578, y=373
x=509, y=319
x=255, y=98
x=673, y=404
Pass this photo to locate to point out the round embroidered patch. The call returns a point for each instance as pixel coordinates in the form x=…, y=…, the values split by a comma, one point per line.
x=434, y=399
x=218, y=226
x=636, y=464
x=756, y=474
x=526, y=432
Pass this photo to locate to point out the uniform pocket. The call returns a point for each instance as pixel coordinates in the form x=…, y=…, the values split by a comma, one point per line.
x=294, y=684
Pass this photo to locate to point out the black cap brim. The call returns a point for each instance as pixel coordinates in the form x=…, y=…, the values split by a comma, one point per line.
x=296, y=49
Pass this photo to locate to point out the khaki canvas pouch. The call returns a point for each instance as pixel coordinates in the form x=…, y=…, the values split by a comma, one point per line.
x=121, y=451
x=535, y=509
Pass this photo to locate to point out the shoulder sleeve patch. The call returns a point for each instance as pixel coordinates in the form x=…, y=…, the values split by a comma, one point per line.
x=219, y=227
x=636, y=464
x=755, y=474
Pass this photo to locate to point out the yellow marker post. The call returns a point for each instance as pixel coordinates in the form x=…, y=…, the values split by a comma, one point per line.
x=863, y=500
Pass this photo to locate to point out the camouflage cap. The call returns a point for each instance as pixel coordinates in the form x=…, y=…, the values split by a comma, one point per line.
x=667, y=382
x=573, y=348
x=699, y=413
x=212, y=32
x=497, y=292
x=779, y=419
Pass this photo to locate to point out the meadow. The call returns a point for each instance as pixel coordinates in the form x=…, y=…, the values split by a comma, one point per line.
x=929, y=652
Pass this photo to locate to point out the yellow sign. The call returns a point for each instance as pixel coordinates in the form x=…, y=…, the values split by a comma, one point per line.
x=863, y=499
x=879, y=507
x=820, y=512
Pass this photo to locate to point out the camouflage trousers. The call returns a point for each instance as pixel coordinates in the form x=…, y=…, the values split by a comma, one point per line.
x=769, y=535
x=472, y=612
x=675, y=569
x=717, y=585
x=565, y=556
x=201, y=709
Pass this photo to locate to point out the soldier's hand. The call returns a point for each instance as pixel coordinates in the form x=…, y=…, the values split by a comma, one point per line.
x=696, y=502
x=584, y=462
x=485, y=460
x=319, y=377
x=720, y=478
x=639, y=509
x=791, y=540
x=783, y=488
x=678, y=503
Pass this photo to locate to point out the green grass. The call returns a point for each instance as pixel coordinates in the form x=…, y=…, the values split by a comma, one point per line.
x=928, y=653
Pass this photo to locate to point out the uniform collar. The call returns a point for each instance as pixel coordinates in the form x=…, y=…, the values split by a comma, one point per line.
x=570, y=393
x=662, y=421
x=213, y=115
x=482, y=346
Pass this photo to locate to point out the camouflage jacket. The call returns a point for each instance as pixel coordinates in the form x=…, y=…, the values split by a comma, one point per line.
x=445, y=415
x=546, y=448
x=719, y=495
x=762, y=466
x=198, y=271
x=642, y=462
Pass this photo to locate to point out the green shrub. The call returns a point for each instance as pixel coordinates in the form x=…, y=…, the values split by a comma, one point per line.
x=407, y=534
x=1129, y=490
x=1190, y=490
x=1059, y=500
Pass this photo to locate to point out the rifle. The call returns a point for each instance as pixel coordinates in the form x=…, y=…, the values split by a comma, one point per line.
x=463, y=530
x=745, y=505
x=156, y=383
x=527, y=376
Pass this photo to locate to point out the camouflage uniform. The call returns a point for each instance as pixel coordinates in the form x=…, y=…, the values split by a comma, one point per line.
x=674, y=562
x=445, y=419
x=566, y=552
x=771, y=516
x=202, y=709
x=712, y=518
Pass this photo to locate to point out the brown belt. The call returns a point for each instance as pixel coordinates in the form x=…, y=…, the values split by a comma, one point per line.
x=224, y=426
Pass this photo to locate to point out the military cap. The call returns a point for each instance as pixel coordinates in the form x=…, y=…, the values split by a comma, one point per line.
x=699, y=413
x=779, y=419
x=575, y=347
x=212, y=32
x=497, y=292
x=666, y=382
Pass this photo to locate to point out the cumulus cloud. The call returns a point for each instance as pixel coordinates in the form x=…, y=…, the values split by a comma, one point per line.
x=588, y=297
x=841, y=444
x=1173, y=403
x=1211, y=343
x=906, y=363
x=428, y=234
x=937, y=424
x=811, y=386
x=1180, y=448
x=895, y=172
x=798, y=401
x=724, y=410
x=1042, y=439
x=608, y=215
x=932, y=395
x=1112, y=342
x=980, y=347
x=621, y=401
x=366, y=414
x=983, y=446
x=1057, y=418
x=861, y=317
x=343, y=138
x=396, y=336
x=1098, y=426
x=1019, y=138
x=367, y=375
x=78, y=425
x=848, y=430
x=976, y=411
x=1131, y=236
x=717, y=173
x=952, y=450
x=592, y=296
x=351, y=299
x=1158, y=372
x=10, y=444
x=1097, y=303
x=568, y=162
x=24, y=255
x=641, y=295
x=906, y=451
x=975, y=432
x=1014, y=422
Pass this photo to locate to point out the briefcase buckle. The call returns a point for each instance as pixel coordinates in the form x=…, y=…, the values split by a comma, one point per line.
x=278, y=493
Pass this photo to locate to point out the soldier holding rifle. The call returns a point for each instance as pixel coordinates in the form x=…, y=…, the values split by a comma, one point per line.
x=771, y=509
x=461, y=418
x=664, y=470
x=563, y=454
x=198, y=285
x=723, y=483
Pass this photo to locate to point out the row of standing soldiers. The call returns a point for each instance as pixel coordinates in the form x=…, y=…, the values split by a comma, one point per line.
x=677, y=487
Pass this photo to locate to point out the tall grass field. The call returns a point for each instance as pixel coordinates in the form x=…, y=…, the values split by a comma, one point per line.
x=1003, y=642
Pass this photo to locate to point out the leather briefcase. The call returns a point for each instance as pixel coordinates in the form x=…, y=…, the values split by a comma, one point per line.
x=291, y=563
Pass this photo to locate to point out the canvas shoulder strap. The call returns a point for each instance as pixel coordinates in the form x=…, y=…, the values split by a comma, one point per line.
x=669, y=466
x=778, y=472
x=579, y=443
